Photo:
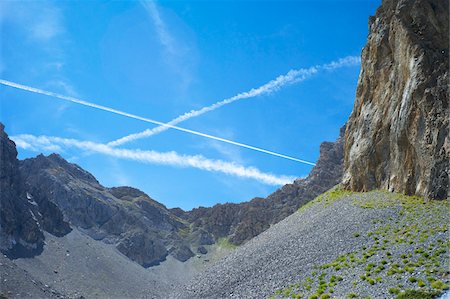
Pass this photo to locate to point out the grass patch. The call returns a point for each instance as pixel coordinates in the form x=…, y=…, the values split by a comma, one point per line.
x=415, y=294
x=328, y=197
x=225, y=243
x=184, y=232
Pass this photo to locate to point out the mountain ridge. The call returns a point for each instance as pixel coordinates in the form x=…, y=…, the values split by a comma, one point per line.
x=145, y=230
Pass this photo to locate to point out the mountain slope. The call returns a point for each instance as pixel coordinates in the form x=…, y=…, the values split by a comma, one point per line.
x=141, y=228
x=355, y=237
x=397, y=134
x=243, y=221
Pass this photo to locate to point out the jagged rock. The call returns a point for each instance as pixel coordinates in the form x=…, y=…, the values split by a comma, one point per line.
x=397, y=135
x=20, y=233
x=243, y=221
x=201, y=237
x=181, y=252
x=141, y=228
x=202, y=250
x=142, y=249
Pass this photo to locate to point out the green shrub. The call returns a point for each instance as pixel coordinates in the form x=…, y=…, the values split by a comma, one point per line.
x=415, y=294
x=394, y=291
x=438, y=285
x=412, y=279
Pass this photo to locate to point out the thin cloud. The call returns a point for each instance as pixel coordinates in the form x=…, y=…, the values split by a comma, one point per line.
x=172, y=158
x=164, y=36
x=148, y=120
x=293, y=76
x=42, y=22
x=176, y=52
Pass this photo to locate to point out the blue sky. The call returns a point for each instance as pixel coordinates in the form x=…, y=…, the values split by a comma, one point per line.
x=162, y=59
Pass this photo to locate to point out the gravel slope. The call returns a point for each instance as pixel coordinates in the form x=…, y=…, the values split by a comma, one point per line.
x=288, y=257
x=76, y=265
x=19, y=283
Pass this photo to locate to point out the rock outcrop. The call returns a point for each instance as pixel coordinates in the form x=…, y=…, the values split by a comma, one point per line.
x=20, y=234
x=141, y=228
x=243, y=221
x=397, y=135
x=23, y=216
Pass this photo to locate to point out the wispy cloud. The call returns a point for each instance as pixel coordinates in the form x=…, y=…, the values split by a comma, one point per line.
x=41, y=26
x=48, y=25
x=41, y=21
x=38, y=144
x=172, y=158
x=145, y=119
x=341, y=62
x=293, y=76
x=164, y=35
x=176, y=52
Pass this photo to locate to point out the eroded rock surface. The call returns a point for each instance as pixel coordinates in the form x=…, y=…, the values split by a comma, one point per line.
x=397, y=134
x=23, y=215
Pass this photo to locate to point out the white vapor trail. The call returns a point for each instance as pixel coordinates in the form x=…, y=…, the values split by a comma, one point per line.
x=148, y=120
x=172, y=158
x=293, y=76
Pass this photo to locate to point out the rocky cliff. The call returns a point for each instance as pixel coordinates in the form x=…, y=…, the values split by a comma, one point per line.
x=23, y=217
x=243, y=221
x=397, y=135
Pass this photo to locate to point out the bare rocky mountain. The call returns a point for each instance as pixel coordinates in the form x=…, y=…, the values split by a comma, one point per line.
x=141, y=228
x=47, y=193
x=243, y=221
x=397, y=135
x=57, y=212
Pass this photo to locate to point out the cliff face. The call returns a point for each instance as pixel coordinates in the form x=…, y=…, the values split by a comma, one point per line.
x=23, y=216
x=20, y=234
x=243, y=221
x=397, y=134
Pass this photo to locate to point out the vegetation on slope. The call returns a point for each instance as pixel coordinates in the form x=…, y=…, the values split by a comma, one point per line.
x=409, y=250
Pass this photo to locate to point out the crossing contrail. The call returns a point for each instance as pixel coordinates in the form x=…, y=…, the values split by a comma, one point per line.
x=291, y=77
x=145, y=119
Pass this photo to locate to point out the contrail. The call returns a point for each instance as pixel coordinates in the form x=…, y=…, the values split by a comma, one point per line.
x=148, y=120
x=39, y=143
x=291, y=77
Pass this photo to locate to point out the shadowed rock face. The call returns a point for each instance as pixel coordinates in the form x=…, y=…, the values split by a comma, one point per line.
x=23, y=216
x=397, y=134
x=241, y=222
x=20, y=234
